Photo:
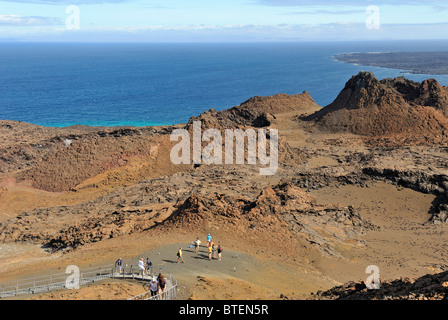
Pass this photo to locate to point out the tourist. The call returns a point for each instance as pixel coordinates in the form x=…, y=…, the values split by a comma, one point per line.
x=179, y=255
x=119, y=263
x=219, y=251
x=141, y=267
x=209, y=239
x=154, y=287
x=209, y=252
x=148, y=266
x=197, y=243
x=162, y=285
x=213, y=250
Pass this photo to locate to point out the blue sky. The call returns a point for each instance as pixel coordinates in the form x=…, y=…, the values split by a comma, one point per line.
x=218, y=20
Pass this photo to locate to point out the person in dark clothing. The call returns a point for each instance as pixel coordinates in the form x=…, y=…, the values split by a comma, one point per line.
x=119, y=263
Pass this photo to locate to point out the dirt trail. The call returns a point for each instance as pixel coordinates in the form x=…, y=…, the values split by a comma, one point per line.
x=237, y=276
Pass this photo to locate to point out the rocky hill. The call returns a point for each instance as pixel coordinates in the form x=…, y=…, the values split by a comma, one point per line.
x=427, y=287
x=394, y=108
x=257, y=111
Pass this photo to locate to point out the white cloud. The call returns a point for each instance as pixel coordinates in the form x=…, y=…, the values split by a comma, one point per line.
x=66, y=2
x=334, y=3
x=20, y=21
x=239, y=33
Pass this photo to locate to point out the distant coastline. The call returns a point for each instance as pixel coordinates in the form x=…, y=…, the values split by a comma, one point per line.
x=435, y=63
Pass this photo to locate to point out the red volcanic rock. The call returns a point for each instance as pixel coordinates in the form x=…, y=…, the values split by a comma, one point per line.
x=391, y=107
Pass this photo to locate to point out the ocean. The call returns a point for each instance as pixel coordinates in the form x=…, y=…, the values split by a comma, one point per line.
x=140, y=84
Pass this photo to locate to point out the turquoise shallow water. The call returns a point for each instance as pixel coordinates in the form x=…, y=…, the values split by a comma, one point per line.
x=110, y=84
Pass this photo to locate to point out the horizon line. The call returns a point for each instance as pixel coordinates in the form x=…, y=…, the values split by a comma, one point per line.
x=211, y=41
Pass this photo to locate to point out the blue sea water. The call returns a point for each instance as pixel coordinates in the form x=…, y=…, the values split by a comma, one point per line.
x=111, y=84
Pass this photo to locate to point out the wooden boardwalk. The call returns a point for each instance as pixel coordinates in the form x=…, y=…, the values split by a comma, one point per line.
x=60, y=281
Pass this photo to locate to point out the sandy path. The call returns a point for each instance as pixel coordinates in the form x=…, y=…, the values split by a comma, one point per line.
x=237, y=276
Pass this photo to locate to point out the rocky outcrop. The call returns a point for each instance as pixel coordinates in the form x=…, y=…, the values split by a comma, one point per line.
x=281, y=209
x=284, y=205
x=428, y=93
x=256, y=112
x=107, y=226
x=75, y=231
x=396, y=108
x=58, y=159
x=427, y=287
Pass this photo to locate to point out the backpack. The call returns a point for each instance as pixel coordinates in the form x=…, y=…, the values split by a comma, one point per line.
x=153, y=285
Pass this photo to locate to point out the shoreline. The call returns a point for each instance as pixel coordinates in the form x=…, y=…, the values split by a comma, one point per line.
x=422, y=63
x=93, y=126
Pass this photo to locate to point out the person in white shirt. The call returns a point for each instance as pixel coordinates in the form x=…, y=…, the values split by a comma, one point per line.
x=197, y=243
x=154, y=287
x=141, y=267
